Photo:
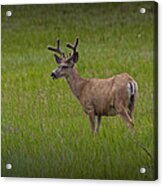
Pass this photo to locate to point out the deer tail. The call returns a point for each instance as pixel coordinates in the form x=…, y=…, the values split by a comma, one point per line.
x=132, y=88
x=132, y=92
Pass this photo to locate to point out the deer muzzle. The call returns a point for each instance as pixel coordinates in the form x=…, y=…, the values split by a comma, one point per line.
x=53, y=75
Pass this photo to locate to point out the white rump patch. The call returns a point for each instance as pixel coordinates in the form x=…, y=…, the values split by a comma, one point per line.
x=132, y=89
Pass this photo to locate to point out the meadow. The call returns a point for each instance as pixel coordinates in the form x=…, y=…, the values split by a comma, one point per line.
x=44, y=131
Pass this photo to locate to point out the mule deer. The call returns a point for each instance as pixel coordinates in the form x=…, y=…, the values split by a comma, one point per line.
x=98, y=97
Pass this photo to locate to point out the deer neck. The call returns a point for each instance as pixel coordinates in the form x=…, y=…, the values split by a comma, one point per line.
x=75, y=82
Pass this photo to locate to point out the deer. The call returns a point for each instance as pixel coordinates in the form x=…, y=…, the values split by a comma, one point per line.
x=98, y=97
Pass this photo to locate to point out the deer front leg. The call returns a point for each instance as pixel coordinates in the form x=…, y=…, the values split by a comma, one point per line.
x=98, y=123
x=92, y=121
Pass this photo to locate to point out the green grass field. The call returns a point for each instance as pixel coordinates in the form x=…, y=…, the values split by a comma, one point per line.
x=44, y=131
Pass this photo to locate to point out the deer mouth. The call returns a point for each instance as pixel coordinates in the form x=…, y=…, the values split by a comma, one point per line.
x=53, y=75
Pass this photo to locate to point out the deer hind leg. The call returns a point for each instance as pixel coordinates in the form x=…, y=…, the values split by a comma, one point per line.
x=126, y=117
x=131, y=105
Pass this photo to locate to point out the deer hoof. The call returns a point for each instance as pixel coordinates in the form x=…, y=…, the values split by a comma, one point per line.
x=132, y=131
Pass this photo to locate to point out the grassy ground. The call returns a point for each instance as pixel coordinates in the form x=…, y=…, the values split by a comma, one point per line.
x=45, y=132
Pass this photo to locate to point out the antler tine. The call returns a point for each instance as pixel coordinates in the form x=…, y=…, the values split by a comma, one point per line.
x=75, y=54
x=70, y=46
x=57, y=49
x=75, y=45
x=77, y=41
x=58, y=43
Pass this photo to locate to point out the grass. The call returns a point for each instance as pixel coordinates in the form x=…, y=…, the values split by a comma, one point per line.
x=44, y=131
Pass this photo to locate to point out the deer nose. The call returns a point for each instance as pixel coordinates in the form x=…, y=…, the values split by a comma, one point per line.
x=52, y=74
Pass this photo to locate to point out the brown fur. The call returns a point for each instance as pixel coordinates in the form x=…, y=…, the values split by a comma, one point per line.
x=102, y=97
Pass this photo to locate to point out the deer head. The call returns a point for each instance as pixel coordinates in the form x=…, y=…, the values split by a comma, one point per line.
x=65, y=64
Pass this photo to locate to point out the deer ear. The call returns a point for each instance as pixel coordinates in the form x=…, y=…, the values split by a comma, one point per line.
x=58, y=59
x=75, y=57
